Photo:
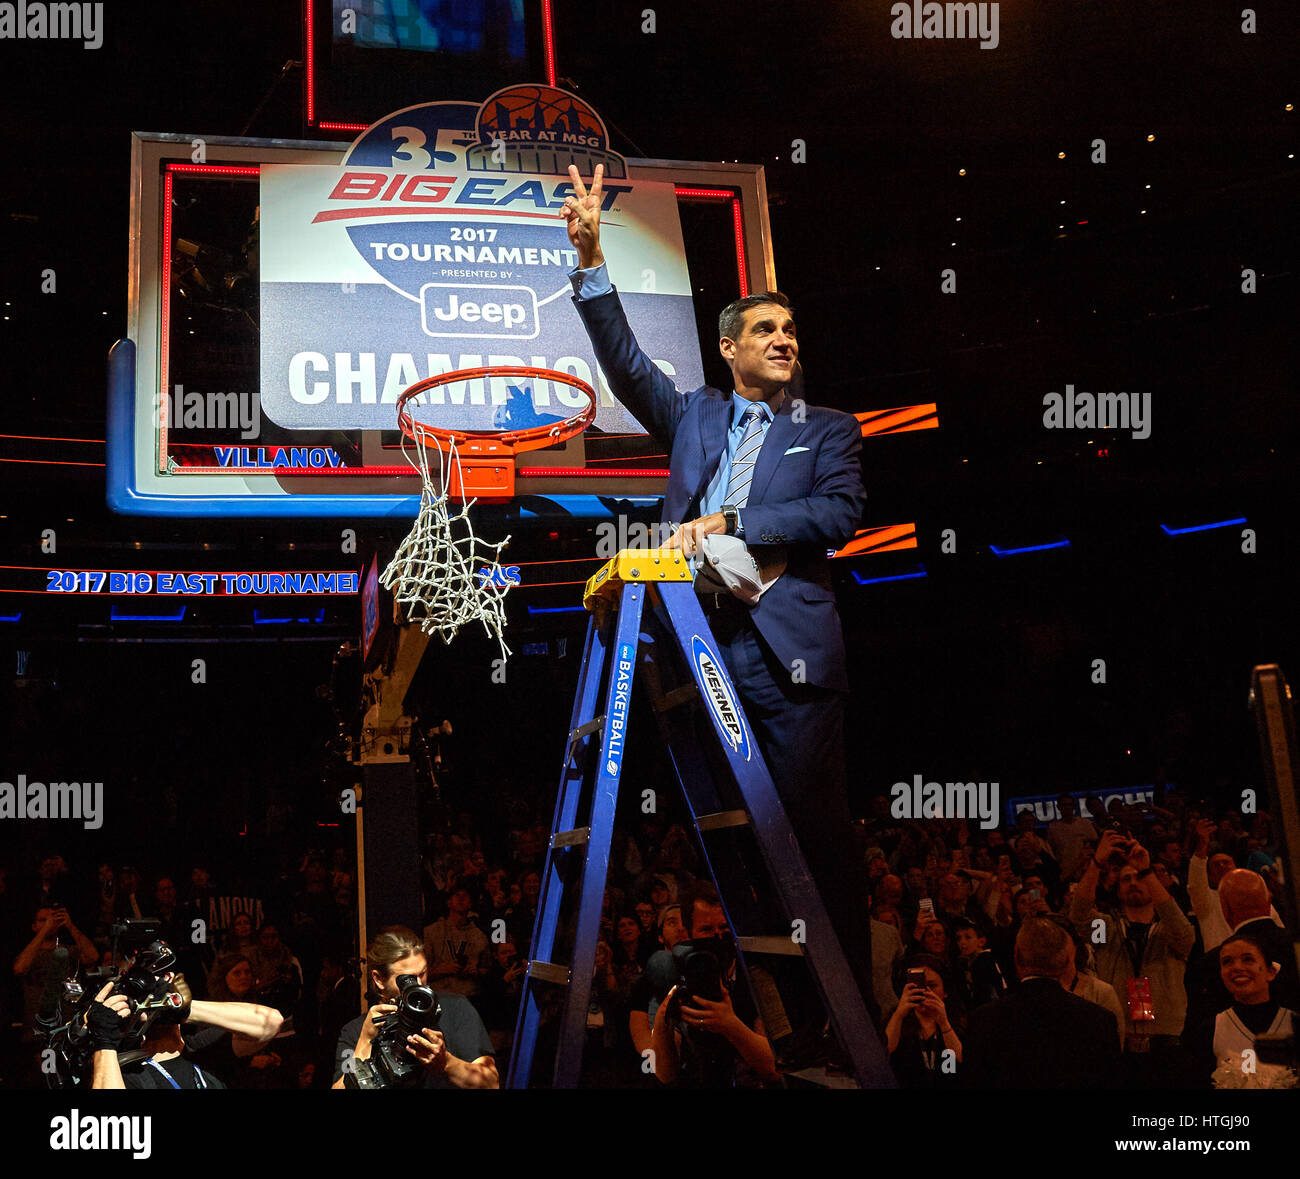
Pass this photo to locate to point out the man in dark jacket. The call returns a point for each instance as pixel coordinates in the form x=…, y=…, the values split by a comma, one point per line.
x=760, y=464
x=1040, y=1036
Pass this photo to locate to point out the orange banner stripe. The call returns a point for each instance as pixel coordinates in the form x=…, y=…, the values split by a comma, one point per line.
x=886, y=539
x=899, y=420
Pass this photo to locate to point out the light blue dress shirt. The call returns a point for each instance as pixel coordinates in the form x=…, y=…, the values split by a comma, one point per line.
x=589, y=284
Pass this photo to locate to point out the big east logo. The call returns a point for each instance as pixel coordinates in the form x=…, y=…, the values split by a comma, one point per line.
x=363, y=191
x=437, y=243
x=440, y=235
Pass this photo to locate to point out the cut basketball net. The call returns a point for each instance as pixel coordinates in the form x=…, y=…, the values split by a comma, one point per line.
x=443, y=580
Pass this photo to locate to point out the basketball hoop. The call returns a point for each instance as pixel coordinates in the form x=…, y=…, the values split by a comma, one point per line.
x=444, y=582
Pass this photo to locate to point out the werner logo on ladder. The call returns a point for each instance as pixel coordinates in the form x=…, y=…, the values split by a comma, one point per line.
x=717, y=693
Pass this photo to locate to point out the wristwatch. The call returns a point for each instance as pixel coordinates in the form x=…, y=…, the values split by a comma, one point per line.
x=732, y=517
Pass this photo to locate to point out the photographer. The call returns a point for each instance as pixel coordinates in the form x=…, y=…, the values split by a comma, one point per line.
x=162, y=1065
x=457, y=1054
x=700, y=1042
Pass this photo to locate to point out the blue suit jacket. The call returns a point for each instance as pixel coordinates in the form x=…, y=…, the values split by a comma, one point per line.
x=807, y=502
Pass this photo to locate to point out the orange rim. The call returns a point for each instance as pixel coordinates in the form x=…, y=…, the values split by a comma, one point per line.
x=509, y=441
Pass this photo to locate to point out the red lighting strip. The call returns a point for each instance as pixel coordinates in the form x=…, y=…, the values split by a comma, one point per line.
x=739, y=223
x=49, y=438
x=164, y=320
x=410, y=472
x=548, y=41
x=217, y=169
x=586, y=473
x=737, y=220
x=51, y=462
x=343, y=126
x=305, y=472
x=165, y=315
x=309, y=56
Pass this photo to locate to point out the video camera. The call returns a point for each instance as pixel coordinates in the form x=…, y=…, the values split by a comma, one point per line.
x=390, y=1065
x=144, y=979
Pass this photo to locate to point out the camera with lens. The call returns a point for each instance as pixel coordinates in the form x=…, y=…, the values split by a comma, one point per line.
x=702, y=964
x=701, y=968
x=390, y=1065
x=145, y=981
x=145, y=974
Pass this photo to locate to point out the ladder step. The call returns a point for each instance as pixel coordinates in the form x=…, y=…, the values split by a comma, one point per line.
x=720, y=819
x=549, y=972
x=575, y=838
x=592, y=726
x=770, y=945
x=680, y=695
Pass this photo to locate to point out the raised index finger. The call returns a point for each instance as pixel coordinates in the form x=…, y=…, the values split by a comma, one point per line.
x=579, y=189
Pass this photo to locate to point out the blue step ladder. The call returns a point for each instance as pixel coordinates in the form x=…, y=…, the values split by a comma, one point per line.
x=670, y=643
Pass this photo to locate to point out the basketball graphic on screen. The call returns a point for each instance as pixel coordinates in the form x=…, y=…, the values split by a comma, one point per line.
x=540, y=129
x=523, y=111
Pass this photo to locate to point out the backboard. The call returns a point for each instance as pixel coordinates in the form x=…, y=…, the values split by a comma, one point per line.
x=284, y=293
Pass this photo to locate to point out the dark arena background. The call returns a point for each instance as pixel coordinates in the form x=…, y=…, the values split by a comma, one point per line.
x=1045, y=253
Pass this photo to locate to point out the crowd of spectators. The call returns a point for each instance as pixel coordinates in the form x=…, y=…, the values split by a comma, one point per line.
x=1133, y=945
x=1160, y=914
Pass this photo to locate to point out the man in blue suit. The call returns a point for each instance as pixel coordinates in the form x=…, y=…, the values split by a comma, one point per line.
x=785, y=477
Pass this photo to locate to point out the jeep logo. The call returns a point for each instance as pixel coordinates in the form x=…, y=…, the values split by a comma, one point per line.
x=487, y=312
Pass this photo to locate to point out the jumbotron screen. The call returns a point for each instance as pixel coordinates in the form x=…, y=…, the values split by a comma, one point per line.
x=491, y=29
x=368, y=57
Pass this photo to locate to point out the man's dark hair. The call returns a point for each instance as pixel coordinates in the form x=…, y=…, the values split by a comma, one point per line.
x=701, y=892
x=732, y=318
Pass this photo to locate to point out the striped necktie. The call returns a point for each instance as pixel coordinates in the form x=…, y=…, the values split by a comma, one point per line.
x=742, y=466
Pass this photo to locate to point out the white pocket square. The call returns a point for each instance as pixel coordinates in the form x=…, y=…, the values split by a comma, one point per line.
x=795, y=450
